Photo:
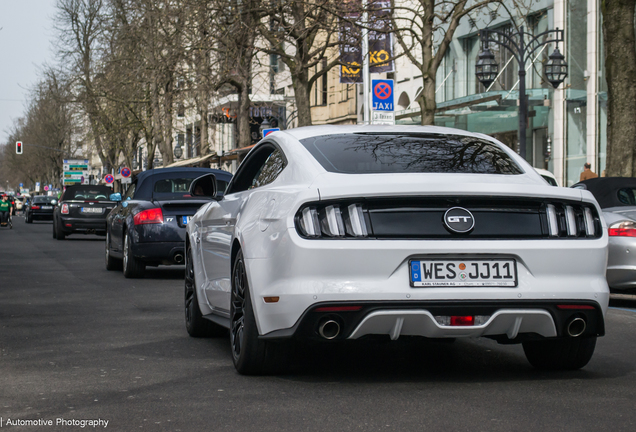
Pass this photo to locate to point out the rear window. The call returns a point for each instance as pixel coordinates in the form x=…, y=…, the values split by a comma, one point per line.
x=627, y=196
x=94, y=194
x=44, y=199
x=385, y=153
x=179, y=187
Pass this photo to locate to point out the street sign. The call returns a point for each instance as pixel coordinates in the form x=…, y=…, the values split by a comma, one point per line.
x=108, y=178
x=21, y=185
x=269, y=131
x=76, y=171
x=383, y=118
x=382, y=92
x=46, y=188
x=125, y=172
x=37, y=186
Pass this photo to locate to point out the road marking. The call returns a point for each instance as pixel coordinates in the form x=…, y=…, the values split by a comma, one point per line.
x=627, y=310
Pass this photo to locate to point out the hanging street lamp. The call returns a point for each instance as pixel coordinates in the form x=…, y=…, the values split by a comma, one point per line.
x=487, y=69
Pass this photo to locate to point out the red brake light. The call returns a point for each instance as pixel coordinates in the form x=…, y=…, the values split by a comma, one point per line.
x=623, y=229
x=150, y=216
x=586, y=307
x=64, y=209
x=462, y=320
x=35, y=207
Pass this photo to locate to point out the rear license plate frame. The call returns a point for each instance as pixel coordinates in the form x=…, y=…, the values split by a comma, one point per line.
x=497, y=279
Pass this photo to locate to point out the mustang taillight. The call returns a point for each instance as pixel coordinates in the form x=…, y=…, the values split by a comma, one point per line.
x=623, y=229
x=64, y=209
x=150, y=216
x=35, y=207
x=332, y=221
x=565, y=220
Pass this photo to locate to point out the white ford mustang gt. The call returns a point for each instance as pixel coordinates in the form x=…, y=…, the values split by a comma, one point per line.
x=339, y=232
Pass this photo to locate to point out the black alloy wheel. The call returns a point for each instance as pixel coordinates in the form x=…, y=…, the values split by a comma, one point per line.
x=133, y=267
x=251, y=355
x=196, y=325
x=59, y=234
x=111, y=262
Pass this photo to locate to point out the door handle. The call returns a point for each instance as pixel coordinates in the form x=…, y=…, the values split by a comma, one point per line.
x=197, y=237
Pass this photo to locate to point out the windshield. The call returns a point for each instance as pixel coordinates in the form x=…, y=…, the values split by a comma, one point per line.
x=391, y=153
x=44, y=199
x=93, y=194
x=178, y=188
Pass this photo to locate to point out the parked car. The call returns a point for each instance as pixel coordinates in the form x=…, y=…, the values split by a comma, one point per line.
x=40, y=207
x=617, y=198
x=335, y=233
x=82, y=209
x=148, y=225
x=547, y=176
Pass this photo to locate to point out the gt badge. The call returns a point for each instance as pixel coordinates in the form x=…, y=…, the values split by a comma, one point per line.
x=459, y=220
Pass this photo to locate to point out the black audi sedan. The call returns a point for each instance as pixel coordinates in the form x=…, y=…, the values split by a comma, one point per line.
x=40, y=207
x=147, y=228
x=82, y=209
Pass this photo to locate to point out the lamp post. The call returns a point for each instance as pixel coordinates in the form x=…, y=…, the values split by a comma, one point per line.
x=487, y=69
x=178, y=151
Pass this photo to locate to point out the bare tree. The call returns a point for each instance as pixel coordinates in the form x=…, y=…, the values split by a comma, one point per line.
x=620, y=64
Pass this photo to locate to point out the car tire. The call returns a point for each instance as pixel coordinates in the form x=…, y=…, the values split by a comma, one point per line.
x=251, y=355
x=133, y=267
x=112, y=263
x=59, y=234
x=560, y=354
x=196, y=325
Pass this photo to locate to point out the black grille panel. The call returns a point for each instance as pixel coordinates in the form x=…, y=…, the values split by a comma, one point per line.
x=495, y=218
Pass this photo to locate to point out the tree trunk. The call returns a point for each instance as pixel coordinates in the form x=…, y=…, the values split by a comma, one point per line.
x=301, y=95
x=243, y=117
x=620, y=64
x=427, y=100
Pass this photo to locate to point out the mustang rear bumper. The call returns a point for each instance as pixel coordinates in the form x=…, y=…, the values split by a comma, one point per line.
x=504, y=321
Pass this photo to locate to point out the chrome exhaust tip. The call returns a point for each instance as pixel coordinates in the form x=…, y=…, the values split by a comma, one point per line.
x=576, y=327
x=329, y=329
x=178, y=258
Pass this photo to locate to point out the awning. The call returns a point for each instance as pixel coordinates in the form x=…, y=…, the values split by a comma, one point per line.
x=191, y=161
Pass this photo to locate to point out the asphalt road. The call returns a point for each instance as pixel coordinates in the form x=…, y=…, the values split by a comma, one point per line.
x=81, y=343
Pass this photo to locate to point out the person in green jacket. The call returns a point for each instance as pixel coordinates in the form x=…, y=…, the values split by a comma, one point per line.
x=6, y=210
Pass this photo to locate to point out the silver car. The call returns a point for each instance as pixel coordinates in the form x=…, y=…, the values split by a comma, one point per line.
x=617, y=198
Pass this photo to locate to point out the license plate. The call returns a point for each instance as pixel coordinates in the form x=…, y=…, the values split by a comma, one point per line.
x=185, y=219
x=463, y=273
x=47, y=207
x=94, y=210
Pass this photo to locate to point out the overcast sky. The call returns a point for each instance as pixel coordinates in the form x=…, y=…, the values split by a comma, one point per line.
x=26, y=32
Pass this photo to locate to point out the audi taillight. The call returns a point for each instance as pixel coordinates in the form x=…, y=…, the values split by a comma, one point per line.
x=64, y=209
x=150, y=216
x=623, y=229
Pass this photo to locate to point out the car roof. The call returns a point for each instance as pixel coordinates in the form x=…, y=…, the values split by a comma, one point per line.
x=605, y=189
x=313, y=131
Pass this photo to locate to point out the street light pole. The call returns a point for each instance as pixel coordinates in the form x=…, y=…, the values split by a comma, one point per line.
x=487, y=68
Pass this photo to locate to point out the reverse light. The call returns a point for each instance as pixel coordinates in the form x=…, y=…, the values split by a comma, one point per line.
x=570, y=219
x=64, y=209
x=553, y=224
x=623, y=229
x=150, y=216
x=331, y=221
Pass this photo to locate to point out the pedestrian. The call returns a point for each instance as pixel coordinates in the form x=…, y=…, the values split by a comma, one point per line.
x=587, y=172
x=6, y=209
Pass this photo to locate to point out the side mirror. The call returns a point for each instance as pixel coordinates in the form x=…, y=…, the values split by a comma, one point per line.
x=204, y=186
x=115, y=197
